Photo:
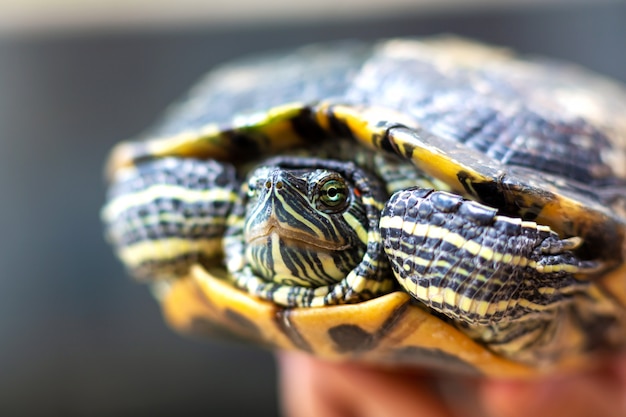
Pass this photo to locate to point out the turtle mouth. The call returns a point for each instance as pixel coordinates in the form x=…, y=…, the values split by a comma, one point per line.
x=291, y=237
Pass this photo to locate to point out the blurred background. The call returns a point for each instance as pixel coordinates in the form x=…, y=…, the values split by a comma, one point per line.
x=77, y=337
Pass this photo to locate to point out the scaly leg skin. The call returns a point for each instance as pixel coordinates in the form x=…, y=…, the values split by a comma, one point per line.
x=165, y=214
x=480, y=269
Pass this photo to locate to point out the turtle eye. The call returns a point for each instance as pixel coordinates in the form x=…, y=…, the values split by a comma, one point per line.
x=252, y=190
x=333, y=195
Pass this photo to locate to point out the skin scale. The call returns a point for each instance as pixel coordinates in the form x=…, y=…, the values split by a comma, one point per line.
x=512, y=152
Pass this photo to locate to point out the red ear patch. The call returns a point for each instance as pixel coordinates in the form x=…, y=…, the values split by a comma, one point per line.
x=357, y=192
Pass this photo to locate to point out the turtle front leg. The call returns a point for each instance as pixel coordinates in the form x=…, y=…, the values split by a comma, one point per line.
x=465, y=261
x=164, y=215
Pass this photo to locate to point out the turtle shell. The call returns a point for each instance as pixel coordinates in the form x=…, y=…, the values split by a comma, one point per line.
x=539, y=139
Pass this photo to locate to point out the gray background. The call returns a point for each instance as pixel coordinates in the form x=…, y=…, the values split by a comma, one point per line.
x=76, y=336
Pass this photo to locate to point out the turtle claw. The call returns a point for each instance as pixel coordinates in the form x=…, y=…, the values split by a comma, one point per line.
x=563, y=245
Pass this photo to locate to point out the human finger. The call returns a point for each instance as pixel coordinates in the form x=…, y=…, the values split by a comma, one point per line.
x=313, y=387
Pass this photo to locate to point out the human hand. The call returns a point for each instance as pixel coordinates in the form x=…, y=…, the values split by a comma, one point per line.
x=311, y=387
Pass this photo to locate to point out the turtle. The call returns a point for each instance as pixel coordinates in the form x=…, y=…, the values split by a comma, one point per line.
x=434, y=202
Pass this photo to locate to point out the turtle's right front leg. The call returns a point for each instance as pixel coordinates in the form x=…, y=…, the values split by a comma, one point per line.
x=163, y=215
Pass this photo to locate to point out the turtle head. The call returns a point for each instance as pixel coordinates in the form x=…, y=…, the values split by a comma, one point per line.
x=306, y=233
x=305, y=227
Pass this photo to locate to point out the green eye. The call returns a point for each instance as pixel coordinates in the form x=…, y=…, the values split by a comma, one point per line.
x=333, y=194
